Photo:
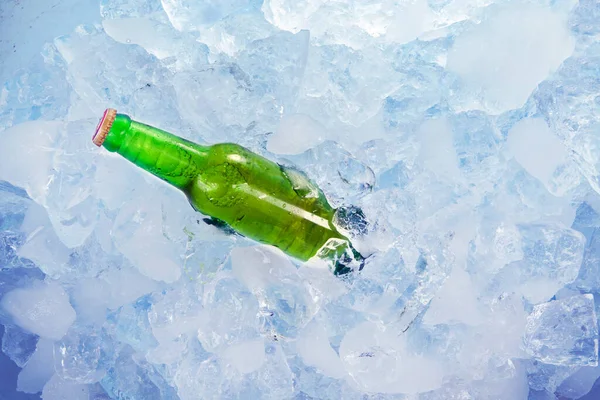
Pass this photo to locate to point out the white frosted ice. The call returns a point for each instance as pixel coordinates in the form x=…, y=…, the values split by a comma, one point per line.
x=296, y=134
x=542, y=154
x=456, y=302
x=536, y=148
x=509, y=53
x=42, y=244
x=26, y=152
x=246, y=357
x=38, y=370
x=378, y=360
x=43, y=309
x=437, y=148
x=465, y=130
x=314, y=347
x=59, y=389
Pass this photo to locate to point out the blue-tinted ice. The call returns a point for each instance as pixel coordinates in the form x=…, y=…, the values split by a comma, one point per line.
x=460, y=136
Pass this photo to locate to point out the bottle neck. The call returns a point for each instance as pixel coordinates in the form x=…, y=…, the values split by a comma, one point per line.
x=169, y=157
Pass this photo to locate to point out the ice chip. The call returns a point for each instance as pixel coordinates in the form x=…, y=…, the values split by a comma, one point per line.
x=547, y=377
x=563, y=332
x=43, y=309
x=314, y=347
x=174, y=320
x=113, y=9
x=26, y=152
x=569, y=103
x=288, y=15
x=186, y=15
x=437, y=149
x=494, y=246
x=336, y=171
x=247, y=356
x=132, y=326
x=342, y=86
x=59, y=389
x=455, y=302
x=378, y=360
x=134, y=231
x=18, y=344
x=285, y=304
x=38, y=370
x=296, y=133
x=509, y=53
x=580, y=383
x=78, y=356
x=71, y=202
x=236, y=32
x=552, y=257
x=239, y=324
x=129, y=77
x=132, y=377
x=42, y=245
x=546, y=166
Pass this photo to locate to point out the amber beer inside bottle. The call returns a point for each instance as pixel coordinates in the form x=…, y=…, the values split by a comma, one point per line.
x=256, y=197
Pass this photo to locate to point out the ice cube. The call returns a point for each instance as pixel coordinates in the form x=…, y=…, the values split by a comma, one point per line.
x=18, y=344
x=379, y=360
x=336, y=172
x=342, y=86
x=42, y=245
x=132, y=326
x=552, y=257
x=564, y=332
x=174, y=318
x=59, y=389
x=236, y=32
x=246, y=356
x=186, y=15
x=79, y=356
x=495, y=245
x=70, y=201
x=113, y=9
x=314, y=347
x=546, y=377
x=38, y=90
x=151, y=30
x=26, y=152
x=129, y=79
x=580, y=383
x=529, y=133
x=296, y=133
x=134, y=234
x=455, y=302
x=584, y=21
x=569, y=103
x=131, y=376
x=222, y=329
x=43, y=309
x=289, y=15
x=506, y=56
x=437, y=150
x=269, y=70
x=38, y=370
x=284, y=303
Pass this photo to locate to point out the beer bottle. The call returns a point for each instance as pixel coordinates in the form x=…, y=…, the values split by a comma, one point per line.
x=237, y=188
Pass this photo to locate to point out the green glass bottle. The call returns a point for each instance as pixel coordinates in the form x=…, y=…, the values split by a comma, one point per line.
x=235, y=187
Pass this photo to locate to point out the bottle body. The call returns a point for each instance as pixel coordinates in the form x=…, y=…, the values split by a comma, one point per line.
x=256, y=197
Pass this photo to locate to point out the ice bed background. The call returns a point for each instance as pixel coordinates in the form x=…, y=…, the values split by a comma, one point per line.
x=467, y=130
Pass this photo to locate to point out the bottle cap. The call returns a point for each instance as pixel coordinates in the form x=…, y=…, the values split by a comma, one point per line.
x=104, y=126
